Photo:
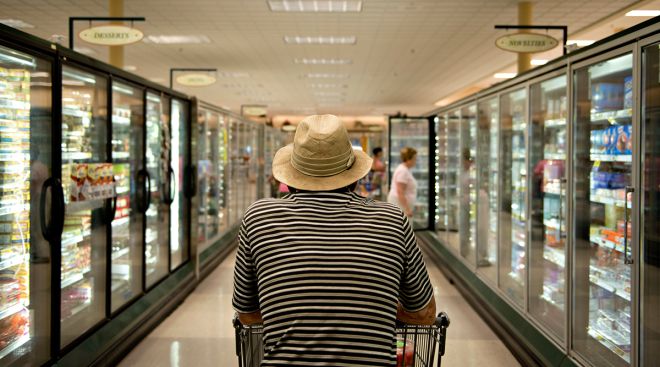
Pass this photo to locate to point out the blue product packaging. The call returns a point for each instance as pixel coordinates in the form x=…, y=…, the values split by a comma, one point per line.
x=628, y=92
x=623, y=140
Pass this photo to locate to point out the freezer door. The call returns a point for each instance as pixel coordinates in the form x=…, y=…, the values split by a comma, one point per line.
x=603, y=156
x=453, y=177
x=467, y=216
x=513, y=194
x=547, y=155
x=650, y=297
x=442, y=176
x=128, y=220
x=26, y=162
x=158, y=150
x=179, y=230
x=87, y=181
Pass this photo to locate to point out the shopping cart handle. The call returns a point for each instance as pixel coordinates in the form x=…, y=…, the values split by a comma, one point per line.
x=442, y=320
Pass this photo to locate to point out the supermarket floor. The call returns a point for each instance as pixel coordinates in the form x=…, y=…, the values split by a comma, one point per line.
x=199, y=333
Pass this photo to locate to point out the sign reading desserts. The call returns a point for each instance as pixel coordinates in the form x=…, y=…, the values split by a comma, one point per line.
x=526, y=42
x=111, y=35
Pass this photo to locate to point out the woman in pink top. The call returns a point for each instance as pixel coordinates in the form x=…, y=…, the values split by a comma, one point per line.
x=404, y=186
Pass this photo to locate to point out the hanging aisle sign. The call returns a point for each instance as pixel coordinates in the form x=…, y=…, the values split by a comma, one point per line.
x=111, y=35
x=195, y=80
x=526, y=42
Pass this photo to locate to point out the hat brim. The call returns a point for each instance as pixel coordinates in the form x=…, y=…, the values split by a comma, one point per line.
x=284, y=172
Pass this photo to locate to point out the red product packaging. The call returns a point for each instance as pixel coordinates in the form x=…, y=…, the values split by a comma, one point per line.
x=405, y=352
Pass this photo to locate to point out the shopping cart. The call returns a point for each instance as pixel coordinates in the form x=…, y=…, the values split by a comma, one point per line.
x=416, y=344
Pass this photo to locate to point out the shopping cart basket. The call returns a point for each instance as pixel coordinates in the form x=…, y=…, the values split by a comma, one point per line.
x=416, y=344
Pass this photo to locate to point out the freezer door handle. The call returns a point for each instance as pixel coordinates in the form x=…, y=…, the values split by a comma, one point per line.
x=113, y=209
x=53, y=229
x=626, y=259
x=192, y=181
x=172, y=185
x=46, y=230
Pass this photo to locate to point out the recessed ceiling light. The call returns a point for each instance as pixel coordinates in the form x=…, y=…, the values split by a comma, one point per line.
x=326, y=76
x=504, y=75
x=321, y=40
x=130, y=67
x=328, y=86
x=329, y=94
x=307, y=61
x=319, y=6
x=580, y=43
x=643, y=13
x=177, y=39
x=538, y=62
x=16, y=23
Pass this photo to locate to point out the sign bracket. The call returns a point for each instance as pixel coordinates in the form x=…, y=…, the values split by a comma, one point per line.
x=99, y=19
x=562, y=28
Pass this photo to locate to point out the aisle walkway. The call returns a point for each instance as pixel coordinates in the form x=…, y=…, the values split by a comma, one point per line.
x=199, y=333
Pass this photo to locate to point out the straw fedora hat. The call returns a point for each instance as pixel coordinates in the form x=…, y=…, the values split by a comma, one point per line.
x=321, y=157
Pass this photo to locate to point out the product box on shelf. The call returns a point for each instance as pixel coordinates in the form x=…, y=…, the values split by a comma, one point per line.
x=628, y=92
x=606, y=96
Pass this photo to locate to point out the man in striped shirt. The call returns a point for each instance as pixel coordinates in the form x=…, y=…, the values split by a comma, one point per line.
x=326, y=270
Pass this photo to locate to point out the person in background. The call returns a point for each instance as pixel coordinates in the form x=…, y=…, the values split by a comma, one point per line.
x=377, y=174
x=404, y=186
x=326, y=270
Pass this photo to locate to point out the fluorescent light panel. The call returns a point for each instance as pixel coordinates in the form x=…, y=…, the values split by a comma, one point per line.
x=16, y=23
x=504, y=75
x=307, y=61
x=233, y=74
x=326, y=76
x=175, y=39
x=316, y=6
x=321, y=40
x=328, y=86
x=537, y=62
x=580, y=43
x=643, y=13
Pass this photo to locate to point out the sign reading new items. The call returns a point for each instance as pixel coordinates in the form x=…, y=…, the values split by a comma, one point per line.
x=195, y=80
x=111, y=35
x=526, y=42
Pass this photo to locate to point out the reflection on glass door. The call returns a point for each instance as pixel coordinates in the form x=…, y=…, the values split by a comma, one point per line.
x=441, y=176
x=158, y=169
x=547, y=292
x=25, y=163
x=453, y=170
x=128, y=221
x=603, y=165
x=513, y=203
x=179, y=231
x=488, y=173
x=233, y=188
x=414, y=133
x=87, y=183
x=650, y=301
x=468, y=183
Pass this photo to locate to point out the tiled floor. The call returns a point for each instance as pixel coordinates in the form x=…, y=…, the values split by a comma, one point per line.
x=199, y=333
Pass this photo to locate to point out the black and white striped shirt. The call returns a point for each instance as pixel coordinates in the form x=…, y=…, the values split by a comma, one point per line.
x=326, y=270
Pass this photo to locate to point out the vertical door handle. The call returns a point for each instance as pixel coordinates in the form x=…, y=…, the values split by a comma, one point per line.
x=171, y=185
x=147, y=180
x=46, y=229
x=113, y=209
x=627, y=259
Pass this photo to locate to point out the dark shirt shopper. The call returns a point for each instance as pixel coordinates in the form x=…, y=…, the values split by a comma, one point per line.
x=326, y=270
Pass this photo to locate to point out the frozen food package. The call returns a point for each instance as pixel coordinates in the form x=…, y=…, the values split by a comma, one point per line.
x=628, y=92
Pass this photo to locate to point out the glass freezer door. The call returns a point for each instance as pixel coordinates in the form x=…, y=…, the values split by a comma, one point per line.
x=650, y=297
x=513, y=195
x=128, y=219
x=179, y=230
x=453, y=177
x=441, y=176
x=25, y=163
x=158, y=168
x=603, y=134
x=487, y=195
x=547, y=154
x=415, y=133
x=468, y=183
x=87, y=183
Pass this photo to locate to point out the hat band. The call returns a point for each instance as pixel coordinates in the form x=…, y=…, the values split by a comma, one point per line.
x=323, y=167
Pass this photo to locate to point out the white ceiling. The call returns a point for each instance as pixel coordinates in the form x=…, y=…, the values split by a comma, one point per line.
x=409, y=54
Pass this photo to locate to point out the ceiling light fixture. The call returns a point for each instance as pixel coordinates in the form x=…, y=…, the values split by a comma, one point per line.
x=130, y=67
x=16, y=23
x=643, y=13
x=316, y=6
x=177, y=39
x=504, y=75
x=329, y=94
x=326, y=76
x=580, y=43
x=320, y=40
x=538, y=62
x=233, y=74
x=307, y=61
x=328, y=86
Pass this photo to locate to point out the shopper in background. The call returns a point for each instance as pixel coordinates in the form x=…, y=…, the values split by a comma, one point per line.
x=326, y=270
x=377, y=174
x=404, y=186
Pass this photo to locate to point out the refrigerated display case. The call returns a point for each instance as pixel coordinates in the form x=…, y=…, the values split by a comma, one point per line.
x=467, y=191
x=158, y=150
x=415, y=133
x=273, y=141
x=487, y=180
x=179, y=205
x=513, y=194
x=603, y=146
x=547, y=155
x=650, y=196
x=441, y=175
x=127, y=166
x=88, y=188
x=25, y=163
x=453, y=177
